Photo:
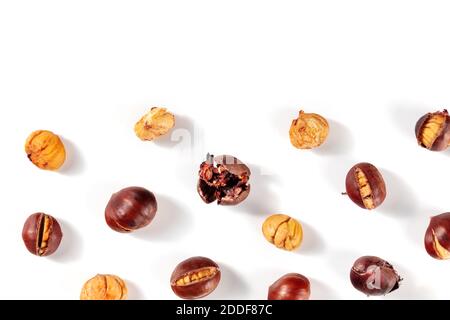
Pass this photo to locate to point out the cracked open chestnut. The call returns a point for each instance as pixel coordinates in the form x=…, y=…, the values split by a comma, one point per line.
x=437, y=237
x=41, y=234
x=292, y=286
x=130, y=209
x=223, y=179
x=374, y=276
x=195, y=278
x=433, y=131
x=365, y=186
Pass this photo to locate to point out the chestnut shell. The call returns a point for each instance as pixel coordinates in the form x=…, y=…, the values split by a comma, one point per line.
x=439, y=227
x=233, y=165
x=292, y=286
x=443, y=140
x=374, y=276
x=375, y=180
x=222, y=187
x=130, y=209
x=31, y=233
x=198, y=289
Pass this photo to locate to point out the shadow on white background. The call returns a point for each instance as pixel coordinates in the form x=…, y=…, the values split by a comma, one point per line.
x=71, y=247
x=231, y=284
x=75, y=163
x=171, y=223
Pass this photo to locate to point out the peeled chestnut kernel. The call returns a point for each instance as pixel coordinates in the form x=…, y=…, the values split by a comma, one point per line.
x=225, y=179
x=45, y=150
x=130, y=209
x=437, y=237
x=104, y=287
x=41, y=234
x=292, y=286
x=154, y=124
x=433, y=131
x=374, y=276
x=283, y=231
x=195, y=278
x=308, y=131
x=365, y=186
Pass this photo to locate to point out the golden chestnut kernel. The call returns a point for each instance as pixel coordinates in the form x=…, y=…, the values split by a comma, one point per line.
x=308, y=131
x=155, y=123
x=283, y=231
x=45, y=150
x=104, y=287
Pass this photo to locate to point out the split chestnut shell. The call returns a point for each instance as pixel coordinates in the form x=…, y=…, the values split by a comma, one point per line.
x=365, y=186
x=437, y=237
x=433, y=131
x=195, y=278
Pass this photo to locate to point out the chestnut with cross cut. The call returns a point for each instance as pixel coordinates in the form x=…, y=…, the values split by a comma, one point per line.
x=223, y=179
x=195, y=278
x=41, y=234
x=365, y=186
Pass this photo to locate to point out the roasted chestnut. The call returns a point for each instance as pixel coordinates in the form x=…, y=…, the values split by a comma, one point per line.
x=195, y=278
x=374, y=276
x=433, y=131
x=283, y=231
x=104, y=287
x=225, y=179
x=365, y=186
x=41, y=234
x=308, y=131
x=130, y=209
x=292, y=286
x=45, y=150
x=437, y=237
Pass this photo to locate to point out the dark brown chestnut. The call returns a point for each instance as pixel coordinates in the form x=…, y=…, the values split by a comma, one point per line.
x=195, y=278
x=374, y=276
x=130, y=209
x=365, y=186
x=292, y=286
x=433, y=131
x=437, y=237
x=225, y=179
x=41, y=234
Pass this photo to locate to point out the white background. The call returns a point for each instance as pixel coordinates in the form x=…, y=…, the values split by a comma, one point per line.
x=235, y=73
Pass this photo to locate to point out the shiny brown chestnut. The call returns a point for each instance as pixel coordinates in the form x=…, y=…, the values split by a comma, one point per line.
x=195, y=278
x=225, y=179
x=130, y=209
x=437, y=237
x=41, y=234
x=374, y=276
x=292, y=286
x=365, y=186
x=433, y=131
